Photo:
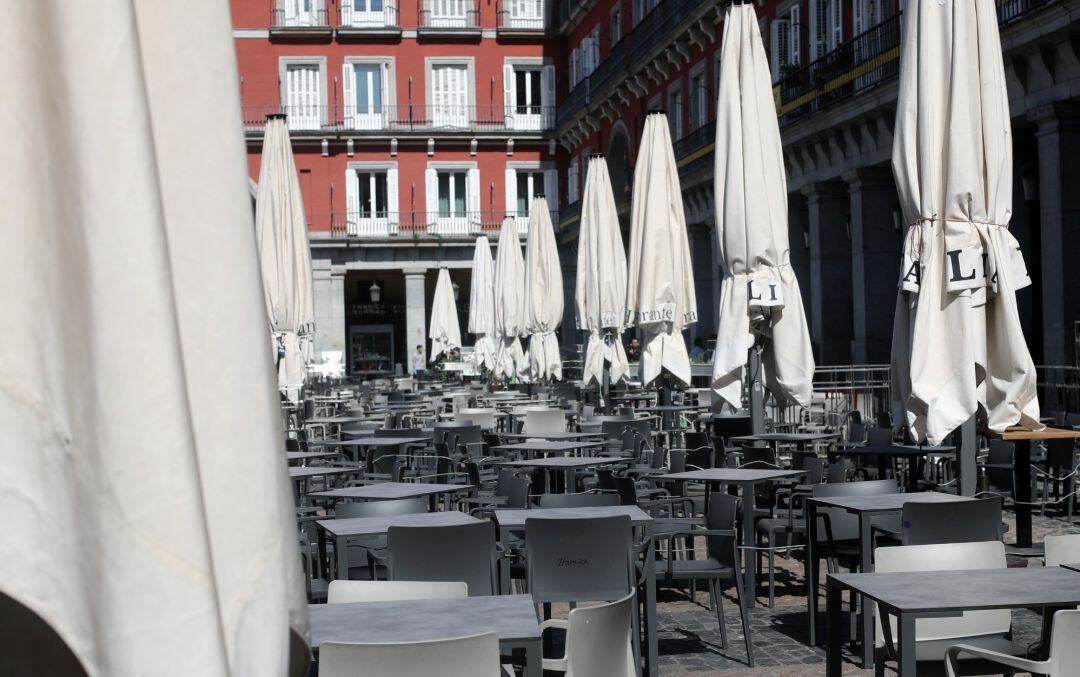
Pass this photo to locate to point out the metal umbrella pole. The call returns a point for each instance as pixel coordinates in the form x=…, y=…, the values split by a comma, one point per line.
x=757, y=394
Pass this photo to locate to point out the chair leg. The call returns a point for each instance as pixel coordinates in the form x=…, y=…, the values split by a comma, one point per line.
x=772, y=575
x=745, y=621
x=718, y=601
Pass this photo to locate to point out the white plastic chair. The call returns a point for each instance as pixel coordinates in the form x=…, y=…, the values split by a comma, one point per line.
x=539, y=421
x=597, y=641
x=1063, y=549
x=1064, y=651
x=390, y=591
x=985, y=628
x=485, y=418
x=474, y=656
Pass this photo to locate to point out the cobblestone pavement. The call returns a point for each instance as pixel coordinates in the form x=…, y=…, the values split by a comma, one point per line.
x=690, y=637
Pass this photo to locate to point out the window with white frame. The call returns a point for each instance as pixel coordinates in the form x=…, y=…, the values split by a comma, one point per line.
x=865, y=14
x=526, y=181
x=303, y=94
x=638, y=11
x=299, y=13
x=699, y=97
x=366, y=88
x=529, y=95
x=675, y=110
x=616, y=23
x=818, y=34
x=449, y=89
x=785, y=41
x=573, y=181
x=447, y=13
x=453, y=197
x=371, y=199
x=525, y=14
x=368, y=13
x=575, y=66
x=590, y=52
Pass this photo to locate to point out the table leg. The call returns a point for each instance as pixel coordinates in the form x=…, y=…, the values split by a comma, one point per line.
x=905, y=647
x=341, y=551
x=833, y=605
x=504, y=563
x=533, y=659
x=651, y=640
x=569, y=481
x=1022, y=490
x=811, y=569
x=866, y=566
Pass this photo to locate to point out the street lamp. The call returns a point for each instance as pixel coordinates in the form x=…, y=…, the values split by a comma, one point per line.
x=376, y=292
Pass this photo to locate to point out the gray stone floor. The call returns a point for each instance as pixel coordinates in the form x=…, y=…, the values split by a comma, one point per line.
x=690, y=637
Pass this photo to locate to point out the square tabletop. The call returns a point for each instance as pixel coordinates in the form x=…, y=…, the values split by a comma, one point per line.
x=375, y=526
x=563, y=462
x=561, y=436
x=1072, y=566
x=884, y=502
x=552, y=446
x=375, y=441
x=511, y=617
x=515, y=519
x=932, y=591
x=891, y=450
x=301, y=472
x=335, y=420
x=731, y=475
x=784, y=437
x=309, y=455
x=384, y=491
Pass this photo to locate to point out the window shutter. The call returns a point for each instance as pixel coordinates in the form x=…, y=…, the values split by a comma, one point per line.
x=858, y=16
x=551, y=188
x=795, y=38
x=348, y=77
x=472, y=203
x=509, y=87
x=774, y=49
x=837, y=24
x=547, y=97
x=352, y=206
x=393, y=206
x=346, y=13
x=511, y=191
x=431, y=191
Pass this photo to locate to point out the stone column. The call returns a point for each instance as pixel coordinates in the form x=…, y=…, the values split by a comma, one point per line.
x=328, y=284
x=830, y=272
x=1058, y=137
x=415, y=313
x=875, y=261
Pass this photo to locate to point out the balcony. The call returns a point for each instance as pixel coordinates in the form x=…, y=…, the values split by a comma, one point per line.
x=369, y=17
x=428, y=225
x=694, y=151
x=404, y=118
x=449, y=18
x=300, y=19
x=524, y=18
x=653, y=30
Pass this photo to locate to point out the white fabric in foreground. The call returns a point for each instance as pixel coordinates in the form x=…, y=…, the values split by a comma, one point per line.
x=543, y=295
x=660, y=295
x=600, y=292
x=509, y=303
x=957, y=342
x=284, y=257
x=136, y=393
x=443, y=330
x=752, y=228
x=482, y=306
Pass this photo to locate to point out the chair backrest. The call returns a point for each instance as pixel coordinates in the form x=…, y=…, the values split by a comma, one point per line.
x=815, y=470
x=579, y=560
x=462, y=552
x=539, y=421
x=518, y=495
x=1000, y=453
x=1061, y=456
x=723, y=509
x=400, y=432
x=1072, y=419
x=842, y=524
x=677, y=460
x=598, y=640
x=879, y=436
x=856, y=432
x=577, y=500
x=474, y=656
x=1062, y=549
x=1065, y=643
x=400, y=506
x=484, y=418
x=694, y=440
x=836, y=473
x=758, y=457
x=626, y=489
x=946, y=557
x=953, y=522
x=627, y=432
x=341, y=591
x=440, y=429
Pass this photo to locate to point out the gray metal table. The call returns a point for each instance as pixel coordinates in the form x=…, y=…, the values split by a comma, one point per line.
x=514, y=520
x=798, y=439
x=745, y=479
x=301, y=474
x=567, y=464
x=561, y=436
x=390, y=491
x=302, y=457
x=911, y=595
x=375, y=442
x=551, y=446
x=885, y=452
x=344, y=530
x=866, y=507
x=512, y=617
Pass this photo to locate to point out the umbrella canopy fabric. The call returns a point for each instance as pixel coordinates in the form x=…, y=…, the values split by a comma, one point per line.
x=543, y=295
x=444, y=331
x=284, y=257
x=759, y=295
x=660, y=296
x=600, y=292
x=957, y=342
x=136, y=388
x=509, y=302
x=482, y=306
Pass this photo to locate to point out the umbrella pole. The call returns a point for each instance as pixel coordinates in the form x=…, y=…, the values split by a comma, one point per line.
x=605, y=380
x=757, y=396
x=966, y=450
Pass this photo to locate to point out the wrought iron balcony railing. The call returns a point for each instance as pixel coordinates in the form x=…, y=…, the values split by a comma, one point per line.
x=524, y=16
x=297, y=19
x=694, y=150
x=448, y=223
x=449, y=16
x=403, y=118
x=383, y=16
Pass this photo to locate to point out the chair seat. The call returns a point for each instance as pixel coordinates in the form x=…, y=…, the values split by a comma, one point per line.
x=683, y=569
x=769, y=525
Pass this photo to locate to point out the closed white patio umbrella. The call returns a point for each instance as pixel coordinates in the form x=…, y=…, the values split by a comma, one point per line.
x=760, y=301
x=443, y=330
x=543, y=295
x=509, y=303
x=136, y=389
x=600, y=292
x=958, y=347
x=660, y=296
x=482, y=306
x=285, y=257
